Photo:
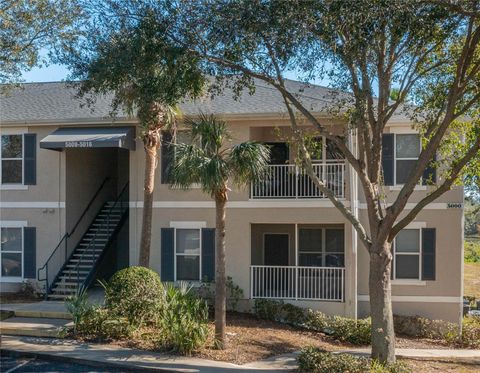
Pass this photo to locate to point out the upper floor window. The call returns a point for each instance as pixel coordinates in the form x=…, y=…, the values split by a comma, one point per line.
x=407, y=150
x=11, y=256
x=12, y=156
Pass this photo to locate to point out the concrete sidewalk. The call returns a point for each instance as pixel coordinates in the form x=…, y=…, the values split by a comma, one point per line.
x=127, y=358
x=131, y=358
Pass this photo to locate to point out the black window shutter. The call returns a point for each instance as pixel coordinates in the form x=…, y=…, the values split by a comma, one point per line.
x=30, y=159
x=208, y=254
x=167, y=156
x=29, y=252
x=430, y=173
x=428, y=253
x=388, y=157
x=167, y=255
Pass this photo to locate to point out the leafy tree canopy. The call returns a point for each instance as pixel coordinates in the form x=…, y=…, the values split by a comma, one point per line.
x=27, y=26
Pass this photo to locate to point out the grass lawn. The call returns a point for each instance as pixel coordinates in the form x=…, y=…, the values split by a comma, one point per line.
x=471, y=280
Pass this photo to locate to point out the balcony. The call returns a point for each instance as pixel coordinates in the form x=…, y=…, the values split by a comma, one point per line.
x=291, y=182
x=297, y=283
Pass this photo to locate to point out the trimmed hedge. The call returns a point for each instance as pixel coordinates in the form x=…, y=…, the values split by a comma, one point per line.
x=341, y=328
x=315, y=360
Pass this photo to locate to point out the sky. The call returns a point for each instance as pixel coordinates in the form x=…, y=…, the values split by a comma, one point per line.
x=55, y=73
x=51, y=73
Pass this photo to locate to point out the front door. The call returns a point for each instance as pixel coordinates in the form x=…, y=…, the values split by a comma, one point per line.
x=276, y=249
x=275, y=279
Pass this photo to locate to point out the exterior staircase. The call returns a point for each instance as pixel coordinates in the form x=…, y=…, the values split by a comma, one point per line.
x=88, y=252
x=73, y=267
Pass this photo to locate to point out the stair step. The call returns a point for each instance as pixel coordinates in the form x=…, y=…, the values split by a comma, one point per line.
x=58, y=296
x=73, y=271
x=33, y=327
x=72, y=277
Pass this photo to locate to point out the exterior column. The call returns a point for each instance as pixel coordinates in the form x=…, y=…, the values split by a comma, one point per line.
x=351, y=270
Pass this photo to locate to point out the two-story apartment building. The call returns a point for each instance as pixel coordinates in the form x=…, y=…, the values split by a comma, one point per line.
x=71, y=208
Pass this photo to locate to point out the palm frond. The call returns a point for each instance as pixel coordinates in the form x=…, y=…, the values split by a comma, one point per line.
x=211, y=132
x=248, y=161
x=188, y=165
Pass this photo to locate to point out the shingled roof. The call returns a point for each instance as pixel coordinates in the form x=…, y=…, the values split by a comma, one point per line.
x=56, y=102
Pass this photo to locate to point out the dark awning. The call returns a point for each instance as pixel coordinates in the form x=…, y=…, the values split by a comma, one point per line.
x=90, y=137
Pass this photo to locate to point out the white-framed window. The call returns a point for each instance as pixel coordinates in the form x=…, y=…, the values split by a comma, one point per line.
x=407, y=249
x=321, y=247
x=188, y=254
x=407, y=149
x=12, y=159
x=11, y=253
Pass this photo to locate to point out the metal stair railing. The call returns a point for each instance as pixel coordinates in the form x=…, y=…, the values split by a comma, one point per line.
x=62, y=252
x=121, y=203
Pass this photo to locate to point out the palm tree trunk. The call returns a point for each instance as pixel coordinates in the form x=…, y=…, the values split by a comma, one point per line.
x=383, y=335
x=149, y=184
x=220, y=277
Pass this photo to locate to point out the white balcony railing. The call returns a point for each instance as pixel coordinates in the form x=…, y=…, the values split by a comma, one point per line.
x=299, y=283
x=290, y=181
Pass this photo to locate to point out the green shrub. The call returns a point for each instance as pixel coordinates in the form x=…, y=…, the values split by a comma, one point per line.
x=472, y=251
x=293, y=315
x=183, y=320
x=357, y=332
x=268, y=309
x=316, y=320
x=98, y=323
x=342, y=328
x=77, y=306
x=234, y=292
x=470, y=336
x=421, y=327
x=315, y=360
x=135, y=293
x=471, y=332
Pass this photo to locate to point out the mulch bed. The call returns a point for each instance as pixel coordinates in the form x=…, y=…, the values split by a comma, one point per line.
x=251, y=339
x=6, y=298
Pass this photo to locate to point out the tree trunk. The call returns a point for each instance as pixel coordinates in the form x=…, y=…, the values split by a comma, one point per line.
x=220, y=277
x=383, y=336
x=149, y=184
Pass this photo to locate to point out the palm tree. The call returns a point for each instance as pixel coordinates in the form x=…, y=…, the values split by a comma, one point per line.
x=212, y=163
x=147, y=73
x=153, y=118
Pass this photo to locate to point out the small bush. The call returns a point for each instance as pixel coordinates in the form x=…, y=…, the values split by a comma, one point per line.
x=341, y=328
x=472, y=251
x=421, y=327
x=135, y=293
x=358, y=332
x=183, y=320
x=234, y=292
x=316, y=320
x=471, y=332
x=268, y=309
x=314, y=360
x=98, y=323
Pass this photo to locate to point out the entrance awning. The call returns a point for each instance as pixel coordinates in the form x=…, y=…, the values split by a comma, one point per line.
x=90, y=137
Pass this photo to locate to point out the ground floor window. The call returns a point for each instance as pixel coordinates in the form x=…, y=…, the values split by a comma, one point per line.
x=321, y=247
x=407, y=253
x=11, y=252
x=188, y=250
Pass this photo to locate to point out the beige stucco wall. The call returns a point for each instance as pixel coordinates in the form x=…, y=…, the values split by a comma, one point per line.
x=40, y=205
x=193, y=205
